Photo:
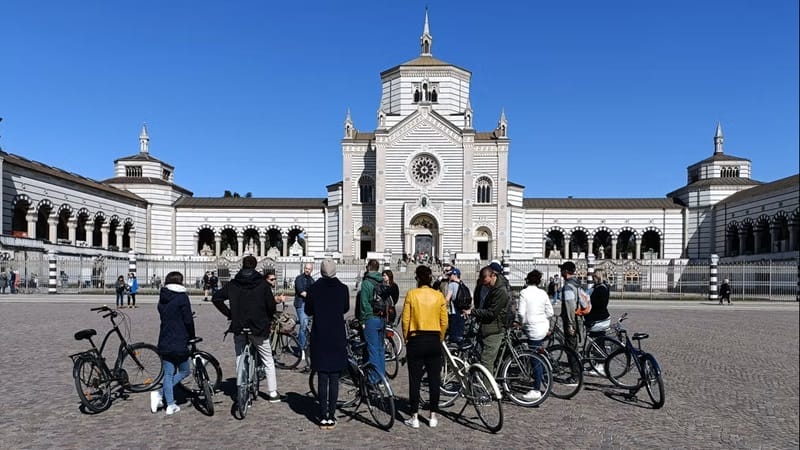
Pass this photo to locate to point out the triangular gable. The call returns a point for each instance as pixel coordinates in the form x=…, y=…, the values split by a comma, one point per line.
x=436, y=120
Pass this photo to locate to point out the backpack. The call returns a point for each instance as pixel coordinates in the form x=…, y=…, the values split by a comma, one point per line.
x=463, y=300
x=381, y=302
x=583, y=303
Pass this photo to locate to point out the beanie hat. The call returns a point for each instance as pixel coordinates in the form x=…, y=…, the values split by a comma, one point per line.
x=328, y=268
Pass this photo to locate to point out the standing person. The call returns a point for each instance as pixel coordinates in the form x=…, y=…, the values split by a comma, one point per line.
x=133, y=287
x=214, y=282
x=372, y=324
x=724, y=292
x=328, y=300
x=569, y=302
x=598, y=320
x=455, y=319
x=301, y=285
x=3, y=281
x=252, y=305
x=502, y=281
x=534, y=313
x=177, y=328
x=119, y=288
x=424, y=327
x=490, y=313
x=394, y=291
x=206, y=285
x=14, y=281
x=272, y=280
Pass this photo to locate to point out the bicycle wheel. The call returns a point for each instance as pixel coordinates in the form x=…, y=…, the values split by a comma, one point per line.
x=94, y=388
x=653, y=381
x=379, y=397
x=518, y=375
x=212, y=367
x=286, y=351
x=599, y=351
x=142, y=363
x=392, y=360
x=567, y=371
x=205, y=393
x=450, y=388
x=483, y=397
x=621, y=369
x=243, y=382
x=397, y=338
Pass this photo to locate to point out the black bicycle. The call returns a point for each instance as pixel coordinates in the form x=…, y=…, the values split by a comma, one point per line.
x=632, y=368
x=136, y=369
x=205, y=379
x=249, y=373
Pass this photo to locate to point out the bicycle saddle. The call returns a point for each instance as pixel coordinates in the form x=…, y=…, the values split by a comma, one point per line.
x=85, y=334
x=638, y=336
x=195, y=340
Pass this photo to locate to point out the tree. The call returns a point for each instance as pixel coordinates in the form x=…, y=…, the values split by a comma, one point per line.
x=229, y=194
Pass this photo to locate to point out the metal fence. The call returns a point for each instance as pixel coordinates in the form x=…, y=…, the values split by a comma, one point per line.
x=767, y=280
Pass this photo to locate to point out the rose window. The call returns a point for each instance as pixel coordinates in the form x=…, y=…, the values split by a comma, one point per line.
x=424, y=169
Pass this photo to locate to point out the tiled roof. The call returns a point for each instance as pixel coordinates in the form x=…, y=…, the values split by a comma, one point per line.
x=69, y=176
x=251, y=203
x=147, y=180
x=485, y=136
x=720, y=157
x=423, y=61
x=599, y=203
x=143, y=157
x=732, y=181
x=511, y=183
x=792, y=181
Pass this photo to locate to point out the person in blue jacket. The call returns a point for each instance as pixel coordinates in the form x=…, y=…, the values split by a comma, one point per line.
x=177, y=328
x=133, y=287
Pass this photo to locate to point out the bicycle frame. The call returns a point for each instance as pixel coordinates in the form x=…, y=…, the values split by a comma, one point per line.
x=97, y=352
x=461, y=369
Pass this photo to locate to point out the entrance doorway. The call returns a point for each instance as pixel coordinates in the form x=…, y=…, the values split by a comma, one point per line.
x=483, y=250
x=366, y=247
x=423, y=245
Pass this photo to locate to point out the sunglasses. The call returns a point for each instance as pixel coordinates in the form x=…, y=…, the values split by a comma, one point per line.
x=270, y=279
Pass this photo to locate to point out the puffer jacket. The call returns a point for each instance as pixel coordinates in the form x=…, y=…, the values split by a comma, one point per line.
x=177, y=324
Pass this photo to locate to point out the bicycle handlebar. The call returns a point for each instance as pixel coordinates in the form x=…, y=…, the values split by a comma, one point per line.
x=100, y=308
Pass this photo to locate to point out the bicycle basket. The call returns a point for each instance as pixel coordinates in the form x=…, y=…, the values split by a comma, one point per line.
x=285, y=324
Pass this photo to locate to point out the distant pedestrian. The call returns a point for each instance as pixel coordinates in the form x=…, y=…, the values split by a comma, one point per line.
x=725, y=291
x=133, y=287
x=3, y=282
x=119, y=288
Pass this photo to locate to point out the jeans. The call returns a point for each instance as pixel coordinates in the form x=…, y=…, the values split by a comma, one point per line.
x=265, y=351
x=131, y=296
x=120, y=299
x=424, y=353
x=537, y=366
x=455, y=329
x=171, y=378
x=373, y=335
x=302, y=319
x=328, y=391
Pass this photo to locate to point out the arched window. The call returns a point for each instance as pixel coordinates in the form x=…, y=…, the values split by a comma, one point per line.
x=417, y=96
x=729, y=172
x=133, y=171
x=484, y=190
x=366, y=189
x=434, y=96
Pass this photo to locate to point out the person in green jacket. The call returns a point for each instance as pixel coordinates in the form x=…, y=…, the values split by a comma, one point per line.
x=372, y=324
x=490, y=313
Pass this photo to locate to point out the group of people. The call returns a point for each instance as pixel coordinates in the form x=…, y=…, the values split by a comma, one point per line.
x=210, y=284
x=9, y=281
x=433, y=311
x=129, y=287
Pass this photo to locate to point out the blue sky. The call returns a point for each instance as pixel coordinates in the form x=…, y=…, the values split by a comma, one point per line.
x=603, y=99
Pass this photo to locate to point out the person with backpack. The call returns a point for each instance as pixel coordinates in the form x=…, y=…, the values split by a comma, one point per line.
x=394, y=294
x=534, y=315
x=569, y=301
x=369, y=315
x=458, y=300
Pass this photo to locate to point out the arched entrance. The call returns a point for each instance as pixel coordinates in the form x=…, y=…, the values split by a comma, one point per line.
x=422, y=237
x=365, y=240
x=483, y=242
x=554, y=244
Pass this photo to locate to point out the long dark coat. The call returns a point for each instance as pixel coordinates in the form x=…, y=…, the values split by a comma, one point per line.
x=327, y=300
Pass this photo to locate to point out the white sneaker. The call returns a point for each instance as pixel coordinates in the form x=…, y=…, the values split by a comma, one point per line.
x=413, y=422
x=172, y=409
x=156, y=401
x=433, y=421
x=302, y=355
x=532, y=396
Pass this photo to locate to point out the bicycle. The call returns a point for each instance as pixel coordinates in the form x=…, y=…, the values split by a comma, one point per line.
x=285, y=347
x=476, y=384
x=648, y=373
x=249, y=373
x=355, y=385
x=204, y=384
x=137, y=367
x=391, y=352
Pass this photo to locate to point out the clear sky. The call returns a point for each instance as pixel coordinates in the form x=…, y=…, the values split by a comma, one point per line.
x=603, y=98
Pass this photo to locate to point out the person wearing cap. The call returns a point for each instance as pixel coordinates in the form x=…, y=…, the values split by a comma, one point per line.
x=455, y=332
x=501, y=278
x=490, y=313
x=327, y=301
x=569, y=302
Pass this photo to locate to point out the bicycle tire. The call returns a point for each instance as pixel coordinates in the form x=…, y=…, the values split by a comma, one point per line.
x=212, y=367
x=653, y=381
x=286, y=351
x=392, y=362
x=567, y=371
x=621, y=370
x=243, y=382
x=599, y=352
x=142, y=363
x=93, y=386
x=487, y=404
x=451, y=386
x=205, y=392
x=397, y=338
x=518, y=378
x=379, y=398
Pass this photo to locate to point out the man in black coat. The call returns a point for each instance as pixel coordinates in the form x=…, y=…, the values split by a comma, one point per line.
x=327, y=302
x=252, y=305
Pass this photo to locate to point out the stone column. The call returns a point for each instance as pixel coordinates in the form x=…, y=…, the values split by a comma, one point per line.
x=118, y=236
x=775, y=238
x=792, y=237
x=31, y=218
x=614, y=248
x=89, y=227
x=264, y=245
x=637, y=251
x=757, y=241
x=131, y=239
x=742, y=242
x=72, y=227
x=239, y=245
x=567, y=248
x=217, y=244
x=285, y=251
x=104, y=229
x=52, y=224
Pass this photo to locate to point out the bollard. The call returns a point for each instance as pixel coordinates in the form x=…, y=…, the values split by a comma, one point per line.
x=589, y=271
x=131, y=262
x=52, y=276
x=712, y=280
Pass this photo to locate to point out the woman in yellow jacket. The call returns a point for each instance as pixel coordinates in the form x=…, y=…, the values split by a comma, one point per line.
x=424, y=326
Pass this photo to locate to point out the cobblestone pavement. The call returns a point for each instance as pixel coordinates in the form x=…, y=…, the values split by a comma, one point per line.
x=731, y=376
